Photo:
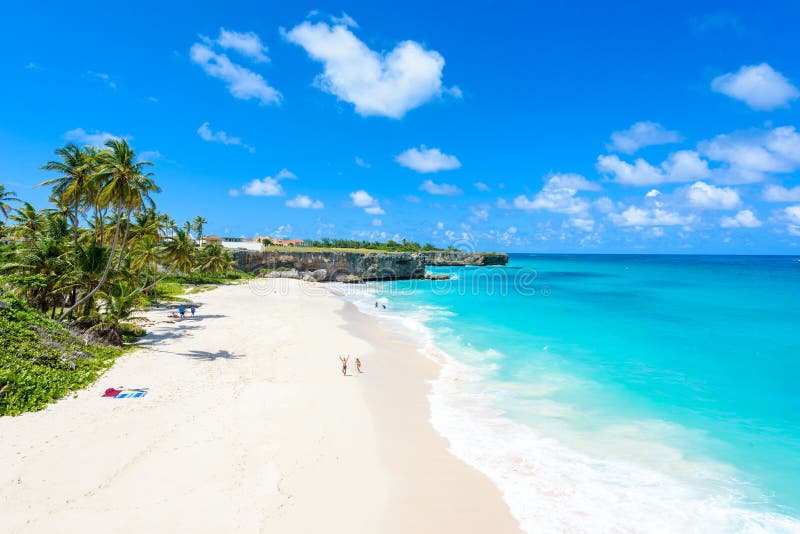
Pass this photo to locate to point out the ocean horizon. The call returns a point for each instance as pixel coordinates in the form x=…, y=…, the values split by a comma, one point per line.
x=649, y=392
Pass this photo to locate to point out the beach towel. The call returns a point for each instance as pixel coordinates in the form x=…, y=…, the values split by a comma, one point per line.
x=131, y=395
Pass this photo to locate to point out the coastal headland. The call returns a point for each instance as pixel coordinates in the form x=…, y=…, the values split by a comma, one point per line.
x=357, y=266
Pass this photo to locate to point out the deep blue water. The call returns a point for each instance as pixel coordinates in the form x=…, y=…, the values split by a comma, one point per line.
x=684, y=365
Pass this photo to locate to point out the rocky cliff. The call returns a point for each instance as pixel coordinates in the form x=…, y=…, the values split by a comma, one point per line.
x=337, y=266
x=465, y=258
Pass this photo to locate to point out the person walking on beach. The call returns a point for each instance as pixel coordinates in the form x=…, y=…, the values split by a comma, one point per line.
x=344, y=364
x=192, y=310
x=358, y=365
x=182, y=311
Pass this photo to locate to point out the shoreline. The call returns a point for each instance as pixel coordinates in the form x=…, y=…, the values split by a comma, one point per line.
x=248, y=424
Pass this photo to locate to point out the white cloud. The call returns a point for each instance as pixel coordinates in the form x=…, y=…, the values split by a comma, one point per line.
x=413, y=199
x=635, y=216
x=362, y=199
x=681, y=166
x=440, y=225
x=363, y=163
x=642, y=134
x=703, y=195
x=248, y=44
x=750, y=156
x=345, y=20
x=777, y=193
x=242, y=83
x=792, y=217
x=584, y=224
x=433, y=188
x=653, y=193
x=303, y=201
x=268, y=187
x=743, y=219
x=759, y=86
x=604, y=204
x=793, y=214
x=480, y=186
x=386, y=84
x=220, y=136
x=558, y=195
x=233, y=192
x=427, y=160
x=95, y=139
x=479, y=213
x=285, y=174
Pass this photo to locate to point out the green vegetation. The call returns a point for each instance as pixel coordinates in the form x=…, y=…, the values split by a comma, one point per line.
x=388, y=246
x=42, y=361
x=98, y=254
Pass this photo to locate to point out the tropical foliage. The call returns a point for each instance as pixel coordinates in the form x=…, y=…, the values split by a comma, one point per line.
x=99, y=251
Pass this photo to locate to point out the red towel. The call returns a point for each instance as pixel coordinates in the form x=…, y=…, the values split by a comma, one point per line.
x=111, y=392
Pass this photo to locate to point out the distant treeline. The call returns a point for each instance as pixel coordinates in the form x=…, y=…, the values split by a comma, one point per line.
x=390, y=246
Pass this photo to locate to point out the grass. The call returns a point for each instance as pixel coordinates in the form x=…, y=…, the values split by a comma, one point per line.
x=41, y=361
x=325, y=249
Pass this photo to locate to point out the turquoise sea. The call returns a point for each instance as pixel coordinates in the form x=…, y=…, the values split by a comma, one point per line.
x=619, y=392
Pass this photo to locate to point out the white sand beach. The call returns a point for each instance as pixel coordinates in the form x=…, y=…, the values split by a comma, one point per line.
x=248, y=425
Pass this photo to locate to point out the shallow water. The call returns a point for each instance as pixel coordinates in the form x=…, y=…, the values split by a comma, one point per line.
x=619, y=392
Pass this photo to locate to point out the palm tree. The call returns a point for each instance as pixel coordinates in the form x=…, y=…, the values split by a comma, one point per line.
x=126, y=189
x=180, y=252
x=77, y=168
x=198, y=224
x=120, y=301
x=6, y=197
x=146, y=255
x=28, y=221
x=215, y=260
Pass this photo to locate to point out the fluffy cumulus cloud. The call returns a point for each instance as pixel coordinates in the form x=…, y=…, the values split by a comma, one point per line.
x=242, y=82
x=248, y=44
x=362, y=199
x=749, y=157
x=387, y=84
x=640, y=217
x=431, y=187
x=220, y=136
x=559, y=195
x=269, y=187
x=266, y=187
x=681, y=166
x=706, y=196
x=743, y=219
x=759, y=86
x=642, y=134
x=791, y=215
x=427, y=160
x=778, y=193
x=303, y=201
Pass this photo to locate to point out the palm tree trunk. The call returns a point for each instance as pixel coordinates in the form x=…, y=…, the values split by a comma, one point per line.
x=103, y=278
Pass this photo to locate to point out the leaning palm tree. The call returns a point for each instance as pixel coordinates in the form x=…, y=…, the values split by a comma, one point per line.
x=197, y=224
x=6, y=197
x=126, y=189
x=76, y=167
x=180, y=251
x=146, y=254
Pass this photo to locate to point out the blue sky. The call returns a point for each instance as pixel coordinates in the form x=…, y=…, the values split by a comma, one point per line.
x=520, y=126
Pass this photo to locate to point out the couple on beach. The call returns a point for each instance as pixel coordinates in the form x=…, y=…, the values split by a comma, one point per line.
x=344, y=364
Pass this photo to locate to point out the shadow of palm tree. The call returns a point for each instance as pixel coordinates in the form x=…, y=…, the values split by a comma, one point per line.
x=211, y=356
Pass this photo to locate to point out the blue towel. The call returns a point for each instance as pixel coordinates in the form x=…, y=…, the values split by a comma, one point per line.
x=131, y=395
